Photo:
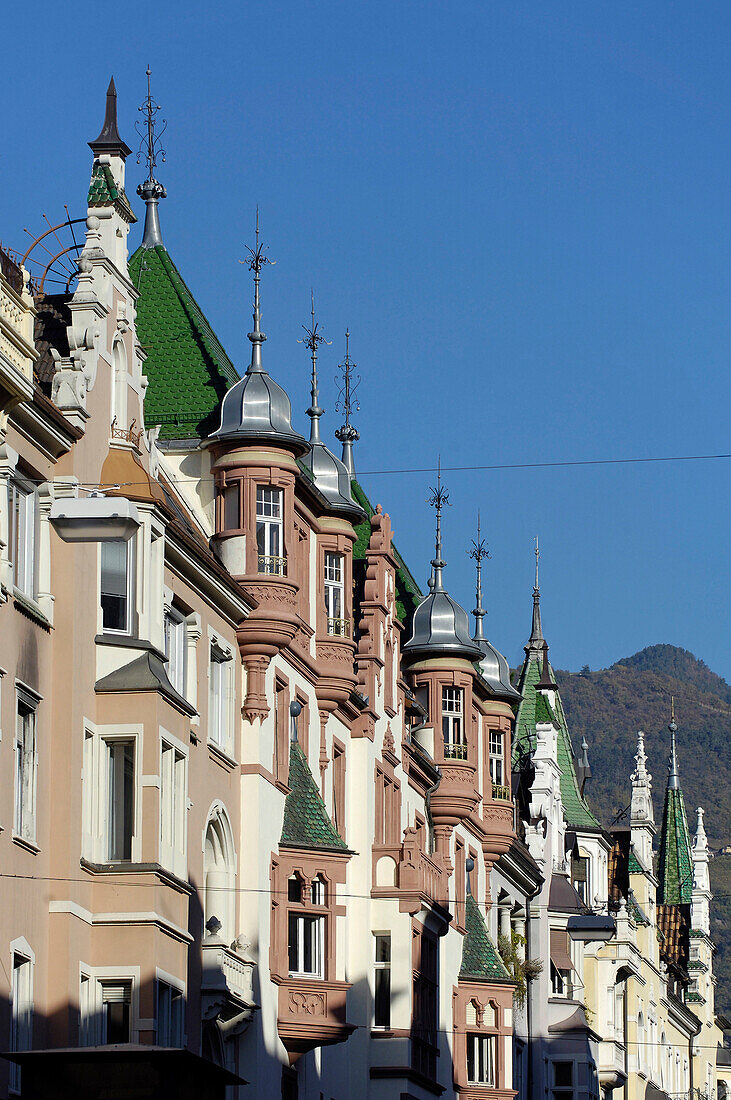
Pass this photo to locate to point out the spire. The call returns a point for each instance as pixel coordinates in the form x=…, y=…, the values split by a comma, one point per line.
x=347, y=434
x=151, y=191
x=546, y=682
x=536, y=640
x=314, y=339
x=255, y=263
x=583, y=768
x=673, y=775
x=701, y=897
x=438, y=499
x=642, y=818
x=109, y=140
x=478, y=552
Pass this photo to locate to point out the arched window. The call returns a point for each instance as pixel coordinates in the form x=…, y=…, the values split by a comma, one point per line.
x=219, y=876
x=120, y=381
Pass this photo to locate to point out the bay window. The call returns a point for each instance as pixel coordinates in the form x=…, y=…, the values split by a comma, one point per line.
x=120, y=799
x=497, y=766
x=170, y=1004
x=306, y=929
x=269, y=533
x=453, y=723
x=481, y=1059
x=219, y=673
x=117, y=585
x=22, y=534
x=116, y=1020
x=337, y=624
x=173, y=809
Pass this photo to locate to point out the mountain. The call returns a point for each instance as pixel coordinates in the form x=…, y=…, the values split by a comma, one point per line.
x=608, y=706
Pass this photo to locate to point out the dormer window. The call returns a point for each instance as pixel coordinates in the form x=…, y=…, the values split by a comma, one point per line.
x=455, y=746
x=269, y=537
x=337, y=624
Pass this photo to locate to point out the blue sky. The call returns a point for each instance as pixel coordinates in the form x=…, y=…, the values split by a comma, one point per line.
x=520, y=209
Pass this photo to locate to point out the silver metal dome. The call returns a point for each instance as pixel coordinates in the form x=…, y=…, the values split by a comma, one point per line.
x=256, y=408
x=496, y=670
x=440, y=624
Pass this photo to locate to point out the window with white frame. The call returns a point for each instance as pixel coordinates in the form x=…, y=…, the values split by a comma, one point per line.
x=119, y=757
x=219, y=721
x=497, y=766
x=21, y=1011
x=269, y=537
x=117, y=585
x=306, y=931
x=116, y=1010
x=170, y=1009
x=481, y=1059
x=26, y=767
x=175, y=648
x=22, y=533
x=335, y=594
x=87, y=1013
x=173, y=769
x=382, y=980
x=580, y=875
x=453, y=723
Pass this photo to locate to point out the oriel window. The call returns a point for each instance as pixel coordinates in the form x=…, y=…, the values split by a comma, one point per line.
x=481, y=1059
x=497, y=766
x=121, y=795
x=269, y=540
x=21, y=543
x=116, y=585
x=335, y=594
x=453, y=723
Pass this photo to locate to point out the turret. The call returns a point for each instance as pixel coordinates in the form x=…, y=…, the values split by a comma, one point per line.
x=493, y=666
x=675, y=868
x=700, y=913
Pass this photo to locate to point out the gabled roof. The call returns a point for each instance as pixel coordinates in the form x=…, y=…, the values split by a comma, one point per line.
x=480, y=959
x=188, y=370
x=535, y=708
x=675, y=866
x=306, y=821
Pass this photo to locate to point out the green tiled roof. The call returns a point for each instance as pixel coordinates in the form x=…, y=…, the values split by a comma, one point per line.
x=675, y=867
x=103, y=191
x=408, y=593
x=188, y=370
x=633, y=864
x=534, y=708
x=306, y=821
x=480, y=959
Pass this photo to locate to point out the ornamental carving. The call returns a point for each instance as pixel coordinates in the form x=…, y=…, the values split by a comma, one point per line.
x=308, y=1004
x=502, y=816
x=458, y=775
x=274, y=592
x=337, y=654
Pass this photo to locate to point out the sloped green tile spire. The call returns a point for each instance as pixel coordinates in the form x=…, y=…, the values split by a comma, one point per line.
x=675, y=865
x=306, y=821
x=188, y=370
x=480, y=959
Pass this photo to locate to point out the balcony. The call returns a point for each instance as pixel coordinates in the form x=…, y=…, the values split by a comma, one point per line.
x=612, y=1062
x=501, y=793
x=338, y=628
x=271, y=566
x=226, y=986
x=455, y=751
x=406, y=872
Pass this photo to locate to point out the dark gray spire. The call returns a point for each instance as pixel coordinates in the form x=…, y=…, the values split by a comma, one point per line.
x=673, y=773
x=438, y=499
x=109, y=140
x=347, y=434
x=536, y=640
x=257, y=261
x=314, y=339
x=151, y=191
x=478, y=552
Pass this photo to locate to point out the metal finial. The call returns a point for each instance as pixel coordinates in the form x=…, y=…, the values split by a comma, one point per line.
x=256, y=261
x=439, y=499
x=151, y=191
x=314, y=339
x=346, y=402
x=538, y=554
x=535, y=641
x=673, y=774
x=478, y=552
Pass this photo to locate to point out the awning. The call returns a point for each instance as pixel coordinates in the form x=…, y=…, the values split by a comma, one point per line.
x=560, y=956
x=652, y=1092
x=119, y=1072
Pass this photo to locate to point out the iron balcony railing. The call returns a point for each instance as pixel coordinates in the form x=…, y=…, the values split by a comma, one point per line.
x=501, y=793
x=272, y=565
x=340, y=628
x=455, y=750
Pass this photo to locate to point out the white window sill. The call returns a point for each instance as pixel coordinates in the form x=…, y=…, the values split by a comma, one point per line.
x=29, y=845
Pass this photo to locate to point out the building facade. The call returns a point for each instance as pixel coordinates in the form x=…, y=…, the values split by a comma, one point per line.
x=271, y=819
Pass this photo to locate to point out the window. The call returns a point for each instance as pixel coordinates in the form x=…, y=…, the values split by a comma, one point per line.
x=172, y=809
x=116, y=586
x=219, y=868
x=116, y=1015
x=452, y=723
x=220, y=685
x=497, y=768
x=175, y=638
x=24, y=818
x=338, y=763
x=87, y=1037
x=481, y=1059
x=231, y=520
x=306, y=945
x=269, y=540
x=21, y=1011
x=119, y=389
x=382, y=981
x=170, y=1004
x=120, y=799
x=425, y=1002
x=335, y=595
x=563, y=1081
x=580, y=865
x=22, y=529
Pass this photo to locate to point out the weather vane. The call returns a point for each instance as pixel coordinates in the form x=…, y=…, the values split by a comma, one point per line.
x=440, y=496
x=346, y=402
x=257, y=255
x=479, y=549
x=314, y=338
x=150, y=143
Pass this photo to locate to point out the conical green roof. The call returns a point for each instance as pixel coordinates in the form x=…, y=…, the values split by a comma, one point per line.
x=533, y=708
x=675, y=865
x=188, y=370
x=480, y=959
x=306, y=821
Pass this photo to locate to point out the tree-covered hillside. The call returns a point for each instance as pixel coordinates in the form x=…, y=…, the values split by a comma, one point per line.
x=610, y=705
